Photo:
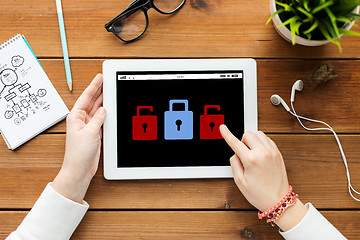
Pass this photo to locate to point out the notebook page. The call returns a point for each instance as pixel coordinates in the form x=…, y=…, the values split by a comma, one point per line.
x=29, y=103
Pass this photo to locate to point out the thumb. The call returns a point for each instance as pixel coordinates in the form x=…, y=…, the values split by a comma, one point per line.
x=237, y=169
x=97, y=120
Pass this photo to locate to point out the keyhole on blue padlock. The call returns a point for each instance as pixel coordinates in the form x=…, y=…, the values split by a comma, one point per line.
x=212, y=125
x=144, y=126
x=178, y=124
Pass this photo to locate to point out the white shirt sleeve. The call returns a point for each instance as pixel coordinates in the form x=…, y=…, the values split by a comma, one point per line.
x=52, y=217
x=313, y=226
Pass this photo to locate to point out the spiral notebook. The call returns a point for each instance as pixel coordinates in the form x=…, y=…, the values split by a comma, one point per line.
x=29, y=103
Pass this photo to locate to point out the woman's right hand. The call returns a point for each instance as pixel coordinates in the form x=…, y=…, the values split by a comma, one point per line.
x=260, y=174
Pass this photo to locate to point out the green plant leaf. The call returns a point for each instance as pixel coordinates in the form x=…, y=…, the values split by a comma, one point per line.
x=307, y=18
x=344, y=20
x=335, y=38
x=287, y=7
x=333, y=21
x=309, y=15
x=296, y=27
x=275, y=13
x=322, y=6
x=353, y=15
x=293, y=34
x=349, y=32
x=325, y=33
x=306, y=5
x=330, y=29
x=312, y=28
x=289, y=21
x=344, y=7
x=325, y=29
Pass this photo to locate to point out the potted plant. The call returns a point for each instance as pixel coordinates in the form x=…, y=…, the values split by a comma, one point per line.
x=314, y=22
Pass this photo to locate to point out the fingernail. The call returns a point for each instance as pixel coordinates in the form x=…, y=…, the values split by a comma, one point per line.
x=99, y=75
x=223, y=127
x=102, y=110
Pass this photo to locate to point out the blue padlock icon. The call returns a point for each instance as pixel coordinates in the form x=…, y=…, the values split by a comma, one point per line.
x=178, y=124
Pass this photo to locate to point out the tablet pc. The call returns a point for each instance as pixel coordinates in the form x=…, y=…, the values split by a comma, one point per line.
x=163, y=116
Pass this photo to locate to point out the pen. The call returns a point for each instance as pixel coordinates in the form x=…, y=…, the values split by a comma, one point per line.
x=64, y=44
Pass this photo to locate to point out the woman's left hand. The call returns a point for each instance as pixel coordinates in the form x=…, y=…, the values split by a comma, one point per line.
x=83, y=143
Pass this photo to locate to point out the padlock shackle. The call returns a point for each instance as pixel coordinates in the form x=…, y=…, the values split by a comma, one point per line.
x=206, y=107
x=138, y=108
x=184, y=101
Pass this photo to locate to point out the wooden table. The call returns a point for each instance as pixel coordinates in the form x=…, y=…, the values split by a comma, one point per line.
x=191, y=209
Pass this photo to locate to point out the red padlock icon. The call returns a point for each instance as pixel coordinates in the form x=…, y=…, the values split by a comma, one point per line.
x=144, y=127
x=209, y=124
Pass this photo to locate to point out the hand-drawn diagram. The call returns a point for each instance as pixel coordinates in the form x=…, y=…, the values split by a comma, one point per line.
x=17, y=61
x=20, y=99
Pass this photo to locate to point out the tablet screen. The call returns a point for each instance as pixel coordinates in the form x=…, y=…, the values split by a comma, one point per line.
x=171, y=119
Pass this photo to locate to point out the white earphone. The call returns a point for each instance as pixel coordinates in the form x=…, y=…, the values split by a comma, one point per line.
x=298, y=86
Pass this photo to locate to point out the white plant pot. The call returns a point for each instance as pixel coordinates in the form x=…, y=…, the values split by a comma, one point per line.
x=285, y=33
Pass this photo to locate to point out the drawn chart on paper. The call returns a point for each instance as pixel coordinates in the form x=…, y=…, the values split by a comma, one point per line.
x=22, y=100
x=29, y=103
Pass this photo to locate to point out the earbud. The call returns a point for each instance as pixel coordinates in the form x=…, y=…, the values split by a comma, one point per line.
x=298, y=86
x=276, y=100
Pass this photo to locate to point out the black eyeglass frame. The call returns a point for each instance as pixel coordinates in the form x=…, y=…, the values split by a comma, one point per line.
x=137, y=5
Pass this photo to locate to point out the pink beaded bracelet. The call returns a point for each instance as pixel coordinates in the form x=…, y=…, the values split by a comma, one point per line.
x=278, y=210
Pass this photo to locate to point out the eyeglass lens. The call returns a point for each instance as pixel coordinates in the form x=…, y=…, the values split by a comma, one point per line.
x=167, y=6
x=131, y=26
x=134, y=24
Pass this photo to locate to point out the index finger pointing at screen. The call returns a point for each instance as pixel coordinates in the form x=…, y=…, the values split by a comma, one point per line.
x=236, y=145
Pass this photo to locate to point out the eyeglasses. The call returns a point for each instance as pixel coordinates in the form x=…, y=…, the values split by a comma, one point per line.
x=133, y=22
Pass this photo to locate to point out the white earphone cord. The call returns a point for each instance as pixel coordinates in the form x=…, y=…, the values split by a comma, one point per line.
x=329, y=128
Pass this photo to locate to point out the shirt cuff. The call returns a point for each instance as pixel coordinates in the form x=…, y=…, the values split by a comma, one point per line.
x=313, y=226
x=52, y=217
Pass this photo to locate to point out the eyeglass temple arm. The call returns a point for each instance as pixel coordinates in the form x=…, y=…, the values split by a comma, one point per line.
x=132, y=4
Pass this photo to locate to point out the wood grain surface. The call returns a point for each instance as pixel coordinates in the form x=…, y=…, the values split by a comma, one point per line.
x=195, y=208
x=229, y=28
x=315, y=169
x=181, y=225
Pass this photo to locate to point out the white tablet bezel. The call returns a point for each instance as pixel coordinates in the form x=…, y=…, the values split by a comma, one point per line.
x=110, y=67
